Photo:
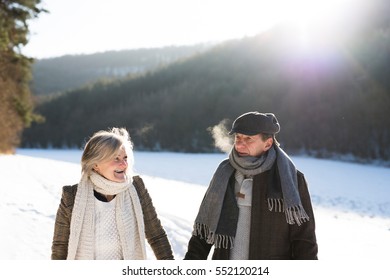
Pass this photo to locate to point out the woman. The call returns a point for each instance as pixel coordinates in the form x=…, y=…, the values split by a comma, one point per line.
x=109, y=213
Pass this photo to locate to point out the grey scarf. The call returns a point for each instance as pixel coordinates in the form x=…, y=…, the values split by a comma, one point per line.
x=251, y=166
x=216, y=221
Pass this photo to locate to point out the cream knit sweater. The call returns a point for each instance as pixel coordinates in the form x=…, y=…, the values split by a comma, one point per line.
x=107, y=242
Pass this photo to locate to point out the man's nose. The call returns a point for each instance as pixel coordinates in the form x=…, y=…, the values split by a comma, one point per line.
x=239, y=143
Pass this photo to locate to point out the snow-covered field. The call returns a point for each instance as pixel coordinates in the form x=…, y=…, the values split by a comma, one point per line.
x=351, y=204
x=351, y=201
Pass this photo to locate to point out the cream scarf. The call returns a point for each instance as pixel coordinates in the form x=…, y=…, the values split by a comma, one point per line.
x=129, y=218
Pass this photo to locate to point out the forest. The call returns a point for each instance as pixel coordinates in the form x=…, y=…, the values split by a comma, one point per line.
x=332, y=99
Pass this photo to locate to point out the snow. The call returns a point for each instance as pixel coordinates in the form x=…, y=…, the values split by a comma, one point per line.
x=351, y=201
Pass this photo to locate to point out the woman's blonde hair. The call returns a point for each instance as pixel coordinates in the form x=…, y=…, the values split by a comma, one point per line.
x=105, y=145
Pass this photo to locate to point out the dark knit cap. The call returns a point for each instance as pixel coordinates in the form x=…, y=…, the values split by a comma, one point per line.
x=253, y=123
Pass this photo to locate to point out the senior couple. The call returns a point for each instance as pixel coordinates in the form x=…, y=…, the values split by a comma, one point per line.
x=257, y=205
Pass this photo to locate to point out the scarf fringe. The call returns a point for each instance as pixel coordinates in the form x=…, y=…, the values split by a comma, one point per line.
x=275, y=204
x=294, y=214
x=219, y=240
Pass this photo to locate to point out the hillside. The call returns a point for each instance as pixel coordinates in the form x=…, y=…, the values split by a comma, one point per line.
x=59, y=74
x=331, y=96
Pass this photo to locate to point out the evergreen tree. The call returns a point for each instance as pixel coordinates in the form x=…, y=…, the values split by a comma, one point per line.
x=16, y=111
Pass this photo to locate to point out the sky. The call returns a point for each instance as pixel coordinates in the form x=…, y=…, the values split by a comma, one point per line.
x=90, y=26
x=351, y=208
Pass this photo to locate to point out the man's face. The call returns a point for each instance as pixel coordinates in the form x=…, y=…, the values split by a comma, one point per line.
x=247, y=145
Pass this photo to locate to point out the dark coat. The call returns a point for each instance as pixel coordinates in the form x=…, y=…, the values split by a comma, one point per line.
x=155, y=234
x=271, y=237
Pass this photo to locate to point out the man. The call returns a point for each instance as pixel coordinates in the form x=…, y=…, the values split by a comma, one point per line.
x=257, y=205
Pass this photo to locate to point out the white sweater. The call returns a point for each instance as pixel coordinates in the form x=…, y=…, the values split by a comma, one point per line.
x=107, y=243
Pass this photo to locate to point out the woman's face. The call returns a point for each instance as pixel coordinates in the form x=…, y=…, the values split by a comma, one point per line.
x=114, y=169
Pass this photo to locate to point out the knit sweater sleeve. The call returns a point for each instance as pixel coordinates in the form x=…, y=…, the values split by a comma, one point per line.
x=154, y=232
x=62, y=224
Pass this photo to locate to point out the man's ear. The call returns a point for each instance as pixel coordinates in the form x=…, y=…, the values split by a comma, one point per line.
x=268, y=143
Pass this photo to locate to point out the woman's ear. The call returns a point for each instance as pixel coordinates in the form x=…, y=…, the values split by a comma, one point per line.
x=95, y=168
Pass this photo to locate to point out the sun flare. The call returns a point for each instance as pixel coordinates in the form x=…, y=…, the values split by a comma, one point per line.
x=316, y=20
x=315, y=11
